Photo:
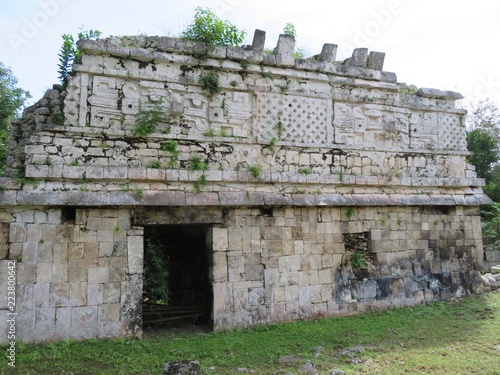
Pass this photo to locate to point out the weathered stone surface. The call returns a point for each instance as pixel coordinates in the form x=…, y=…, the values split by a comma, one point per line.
x=285, y=51
x=440, y=94
x=376, y=60
x=328, y=52
x=259, y=40
x=359, y=57
x=183, y=368
x=238, y=53
x=319, y=188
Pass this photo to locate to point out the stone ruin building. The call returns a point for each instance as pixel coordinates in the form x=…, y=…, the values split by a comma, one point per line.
x=283, y=188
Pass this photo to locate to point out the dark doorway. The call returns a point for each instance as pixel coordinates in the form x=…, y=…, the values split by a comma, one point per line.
x=177, y=287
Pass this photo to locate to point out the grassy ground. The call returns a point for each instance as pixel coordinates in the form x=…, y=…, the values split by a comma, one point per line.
x=455, y=337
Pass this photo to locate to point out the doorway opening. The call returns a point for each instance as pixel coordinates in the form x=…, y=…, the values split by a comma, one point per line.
x=177, y=288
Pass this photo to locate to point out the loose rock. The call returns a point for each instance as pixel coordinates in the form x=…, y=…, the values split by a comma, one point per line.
x=183, y=368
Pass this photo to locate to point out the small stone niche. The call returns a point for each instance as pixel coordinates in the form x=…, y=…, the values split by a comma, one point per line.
x=358, y=254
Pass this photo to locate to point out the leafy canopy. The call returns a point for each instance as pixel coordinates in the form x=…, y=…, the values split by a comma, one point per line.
x=210, y=29
x=12, y=99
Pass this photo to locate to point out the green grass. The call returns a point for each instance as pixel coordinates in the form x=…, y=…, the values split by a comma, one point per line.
x=455, y=337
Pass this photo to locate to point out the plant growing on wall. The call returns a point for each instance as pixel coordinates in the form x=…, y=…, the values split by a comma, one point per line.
x=358, y=260
x=149, y=118
x=210, y=82
x=171, y=147
x=196, y=164
x=208, y=28
x=200, y=183
x=69, y=53
x=155, y=273
x=255, y=170
x=350, y=212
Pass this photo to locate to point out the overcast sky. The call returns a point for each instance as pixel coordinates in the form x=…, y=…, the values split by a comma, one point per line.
x=445, y=44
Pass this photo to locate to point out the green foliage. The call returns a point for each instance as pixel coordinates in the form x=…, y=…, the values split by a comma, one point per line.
x=12, y=99
x=408, y=90
x=209, y=133
x=200, y=183
x=208, y=28
x=491, y=227
x=397, y=341
x=289, y=29
x=69, y=53
x=196, y=164
x=210, y=82
x=272, y=143
x=482, y=114
x=171, y=147
x=283, y=88
x=358, y=260
x=492, y=188
x=255, y=170
x=485, y=148
x=139, y=192
x=156, y=164
x=155, y=276
x=149, y=118
x=305, y=170
x=350, y=212
x=279, y=129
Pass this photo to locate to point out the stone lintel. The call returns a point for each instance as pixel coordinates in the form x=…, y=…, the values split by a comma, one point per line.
x=177, y=215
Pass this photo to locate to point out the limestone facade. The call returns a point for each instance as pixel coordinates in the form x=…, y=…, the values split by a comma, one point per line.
x=295, y=166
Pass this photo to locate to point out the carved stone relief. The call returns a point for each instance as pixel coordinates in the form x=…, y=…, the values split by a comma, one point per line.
x=371, y=126
x=293, y=118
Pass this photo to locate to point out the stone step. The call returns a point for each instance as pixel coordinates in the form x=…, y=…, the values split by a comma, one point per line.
x=495, y=269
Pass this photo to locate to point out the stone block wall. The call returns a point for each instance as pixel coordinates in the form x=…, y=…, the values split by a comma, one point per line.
x=289, y=263
x=330, y=187
x=78, y=277
x=81, y=277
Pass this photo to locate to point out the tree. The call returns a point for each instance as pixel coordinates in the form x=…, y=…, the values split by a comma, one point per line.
x=483, y=138
x=289, y=29
x=12, y=99
x=482, y=114
x=485, y=148
x=70, y=54
x=210, y=29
